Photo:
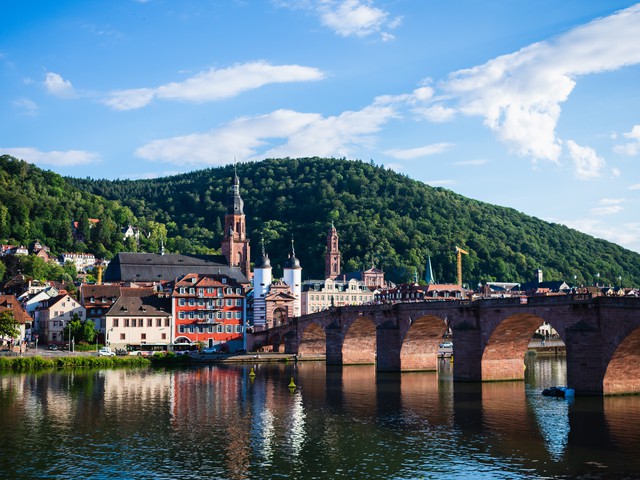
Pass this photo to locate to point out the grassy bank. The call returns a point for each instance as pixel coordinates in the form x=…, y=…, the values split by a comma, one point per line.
x=8, y=364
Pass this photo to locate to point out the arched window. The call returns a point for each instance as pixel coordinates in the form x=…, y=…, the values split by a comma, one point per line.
x=279, y=316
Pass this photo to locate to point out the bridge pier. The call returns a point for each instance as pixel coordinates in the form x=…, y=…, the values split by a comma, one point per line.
x=334, y=345
x=585, y=368
x=467, y=354
x=388, y=348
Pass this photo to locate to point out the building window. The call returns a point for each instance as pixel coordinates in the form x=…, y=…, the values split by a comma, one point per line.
x=239, y=302
x=181, y=328
x=229, y=302
x=219, y=329
x=143, y=336
x=158, y=322
x=126, y=322
x=192, y=302
x=122, y=336
x=181, y=315
x=229, y=328
x=181, y=302
x=238, y=328
x=238, y=315
x=164, y=336
x=182, y=290
x=115, y=322
x=166, y=322
x=229, y=314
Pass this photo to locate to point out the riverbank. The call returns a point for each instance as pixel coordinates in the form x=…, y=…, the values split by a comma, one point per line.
x=38, y=362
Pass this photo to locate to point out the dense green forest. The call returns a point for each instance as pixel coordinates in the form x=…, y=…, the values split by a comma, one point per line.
x=383, y=218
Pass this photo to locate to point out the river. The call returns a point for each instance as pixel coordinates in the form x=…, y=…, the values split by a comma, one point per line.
x=220, y=422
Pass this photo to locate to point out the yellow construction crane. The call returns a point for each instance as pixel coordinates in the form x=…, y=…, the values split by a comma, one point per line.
x=459, y=252
x=99, y=267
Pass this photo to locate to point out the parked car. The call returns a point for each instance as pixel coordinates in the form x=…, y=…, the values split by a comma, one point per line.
x=211, y=350
x=446, y=345
x=106, y=352
x=52, y=346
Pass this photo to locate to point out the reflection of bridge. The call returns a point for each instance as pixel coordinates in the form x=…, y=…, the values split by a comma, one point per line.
x=601, y=334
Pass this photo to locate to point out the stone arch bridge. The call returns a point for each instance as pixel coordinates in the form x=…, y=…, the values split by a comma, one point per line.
x=490, y=337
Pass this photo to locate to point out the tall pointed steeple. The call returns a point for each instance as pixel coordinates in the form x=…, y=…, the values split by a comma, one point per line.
x=332, y=256
x=235, y=244
x=428, y=273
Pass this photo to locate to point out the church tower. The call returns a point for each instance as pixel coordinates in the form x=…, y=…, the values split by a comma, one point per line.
x=235, y=244
x=261, y=286
x=293, y=278
x=332, y=257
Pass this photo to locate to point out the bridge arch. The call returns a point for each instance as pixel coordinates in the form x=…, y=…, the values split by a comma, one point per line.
x=622, y=373
x=359, y=342
x=506, y=345
x=313, y=341
x=419, y=350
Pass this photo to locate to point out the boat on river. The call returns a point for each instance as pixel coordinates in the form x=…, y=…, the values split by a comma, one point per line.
x=561, y=392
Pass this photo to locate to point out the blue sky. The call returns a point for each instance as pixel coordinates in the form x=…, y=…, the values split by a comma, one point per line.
x=530, y=105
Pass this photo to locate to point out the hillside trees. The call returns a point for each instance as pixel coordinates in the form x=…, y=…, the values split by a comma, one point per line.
x=41, y=205
x=383, y=218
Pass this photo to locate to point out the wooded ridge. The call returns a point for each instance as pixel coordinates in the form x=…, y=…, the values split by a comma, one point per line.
x=383, y=219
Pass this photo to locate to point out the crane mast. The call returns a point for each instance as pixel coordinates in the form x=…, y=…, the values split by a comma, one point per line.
x=459, y=252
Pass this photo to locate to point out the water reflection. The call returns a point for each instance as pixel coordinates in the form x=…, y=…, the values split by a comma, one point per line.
x=219, y=422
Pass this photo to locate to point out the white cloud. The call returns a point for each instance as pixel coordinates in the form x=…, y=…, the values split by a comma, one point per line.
x=436, y=113
x=627, y=235
x=471, y=163
x=58, y=86
x=634, y=187
x=440, y=183
x=28, y=106
x=610, y=210
x=611, y=201
x=411, y=153
x=631, y=148
x=282, y=133
x=586, y=162
x=396, y=167
x=67, y=158
x=215, y=84
x=350, y=18
x=519, y=94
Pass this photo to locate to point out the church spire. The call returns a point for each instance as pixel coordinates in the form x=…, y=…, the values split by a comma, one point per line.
x=332, y=256
x=235, y=244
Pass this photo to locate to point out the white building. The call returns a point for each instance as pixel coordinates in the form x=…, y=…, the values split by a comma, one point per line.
x=53, y=315
x=318, y=295
x=140, y=323
x=80, y=260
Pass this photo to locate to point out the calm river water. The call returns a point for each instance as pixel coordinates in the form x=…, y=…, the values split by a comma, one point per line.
x=218, y=422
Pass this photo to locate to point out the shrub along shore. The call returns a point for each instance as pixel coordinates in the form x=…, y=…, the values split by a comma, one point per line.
x=18, y=364
x=41, y=363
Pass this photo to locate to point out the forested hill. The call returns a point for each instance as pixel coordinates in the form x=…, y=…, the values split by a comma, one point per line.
x=40, y=205
x=382, y=217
